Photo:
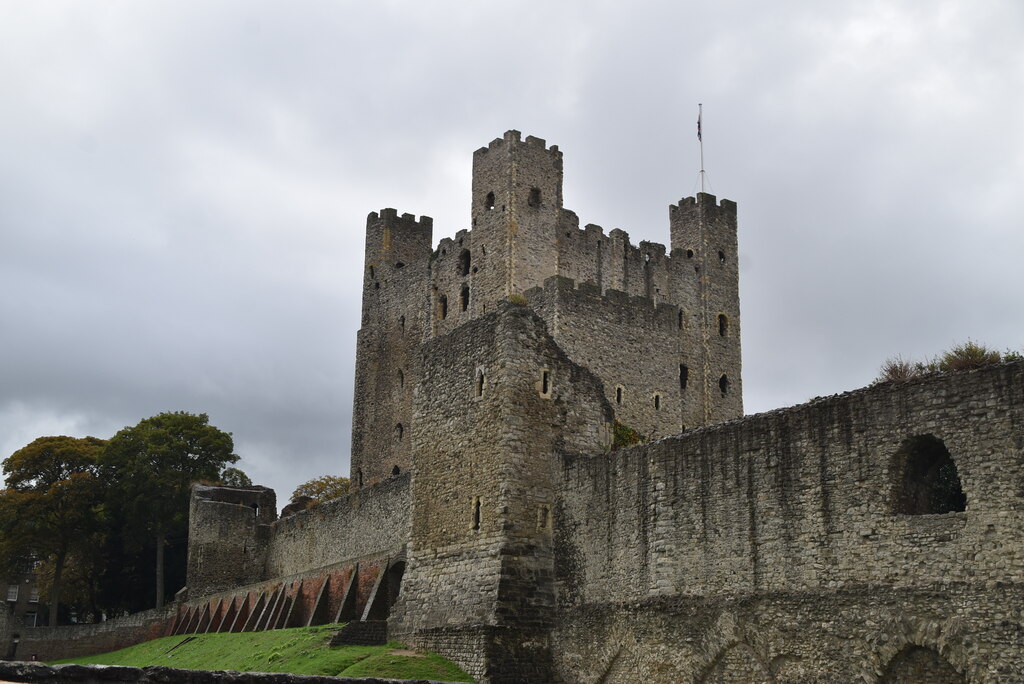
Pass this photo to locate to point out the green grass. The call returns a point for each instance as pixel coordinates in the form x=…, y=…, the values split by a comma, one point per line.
x=303, y=650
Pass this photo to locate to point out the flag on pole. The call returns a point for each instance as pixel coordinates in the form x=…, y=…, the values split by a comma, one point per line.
x=699, y=113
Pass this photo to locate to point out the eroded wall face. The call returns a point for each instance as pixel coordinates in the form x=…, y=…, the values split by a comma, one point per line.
x=799, y=506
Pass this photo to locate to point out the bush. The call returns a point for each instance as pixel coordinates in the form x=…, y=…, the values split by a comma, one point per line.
x=518, y=299
x=964, y=356
x=624, y=436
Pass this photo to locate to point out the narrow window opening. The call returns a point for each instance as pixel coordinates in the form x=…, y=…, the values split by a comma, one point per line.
x=723, y=325
x=689, y=254
x=401, y=322
x=480, y=384
x=723, y=384
x=647, y=258
x=925, y=479
x=618, y=395
x=721, y=256
x=396, y=471
x=534, y=199
x=376, y=286
x=657, y=402
x=476, y=513
x=545, y=382
x=684, y=376
x=442, y=307
x=399, y=432
x=544, y=518
x=464, y=298
x=464, y=262
x=372, y=273
x=489, y=201
x=359, y=476
x=401, y=378
x=680, y=320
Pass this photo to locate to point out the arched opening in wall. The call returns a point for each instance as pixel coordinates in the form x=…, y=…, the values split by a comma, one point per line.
x=657, y=402
x=464, y=262
x=399, y=264
x=618, y=394
x=684, y=376
x=442, y=307
x=721, y=257
x=723, y=325
x=534, y=198
x=399, y=432
x=489, y=201
x=464, y=298
x=723, y=385
x=396, y=471
x=925, y=479
x=919, y=664
x=689, y=254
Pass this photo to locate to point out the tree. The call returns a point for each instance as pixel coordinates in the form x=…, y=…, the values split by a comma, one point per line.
x=151, y=467
x=51, y=505
x=322, y=488
x=234, y=477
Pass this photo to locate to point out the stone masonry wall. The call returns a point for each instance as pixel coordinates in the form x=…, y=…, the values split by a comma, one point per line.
x=801, y=504
x=374, y=520
x=72, y=641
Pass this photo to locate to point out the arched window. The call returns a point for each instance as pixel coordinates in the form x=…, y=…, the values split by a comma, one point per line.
x=464, y=298
x=399, y=432
x=489, y=201
x=442, y=307
x=723, y=325
x=396, y=471
x=684, y=376
x=657, y=402
x=618, y=395
x=534, y=199
x=723, y=385
x=464, y=262
x=925, y=478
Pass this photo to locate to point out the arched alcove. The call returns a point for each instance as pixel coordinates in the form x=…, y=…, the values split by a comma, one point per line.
x=919, y=664
x=925, y=479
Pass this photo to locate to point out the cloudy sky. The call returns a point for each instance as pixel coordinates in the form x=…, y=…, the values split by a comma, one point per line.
x=184, y=185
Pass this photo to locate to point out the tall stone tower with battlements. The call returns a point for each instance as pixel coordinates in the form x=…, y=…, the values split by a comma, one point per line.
x=659, y=327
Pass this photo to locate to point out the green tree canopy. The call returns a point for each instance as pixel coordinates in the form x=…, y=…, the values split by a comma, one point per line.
x=50, y=508
x=234, y=477
x=322, y=488
x=151, y=467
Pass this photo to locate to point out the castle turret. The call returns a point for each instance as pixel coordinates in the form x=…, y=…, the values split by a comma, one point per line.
x=705, y=246
x=395, y=286
x=517, y=197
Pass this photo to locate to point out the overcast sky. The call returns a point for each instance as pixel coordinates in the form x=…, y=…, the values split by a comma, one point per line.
x=184, y=185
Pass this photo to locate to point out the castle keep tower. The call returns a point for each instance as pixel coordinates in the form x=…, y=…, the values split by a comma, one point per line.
x=660, y=330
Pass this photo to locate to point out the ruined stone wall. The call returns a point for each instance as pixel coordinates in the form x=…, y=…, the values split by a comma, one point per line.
x=803, y=504
x=371, y=521
x=229, y=529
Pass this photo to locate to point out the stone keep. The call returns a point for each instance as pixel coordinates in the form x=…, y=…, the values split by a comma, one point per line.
x=873, y=536
x=660, y=330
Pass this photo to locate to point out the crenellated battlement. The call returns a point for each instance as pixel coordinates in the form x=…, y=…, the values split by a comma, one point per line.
x=514, y=137
x=390, y=217
x=705, y=200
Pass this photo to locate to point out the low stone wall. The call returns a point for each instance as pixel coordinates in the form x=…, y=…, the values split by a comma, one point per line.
x=37, y=672
x=72, y=641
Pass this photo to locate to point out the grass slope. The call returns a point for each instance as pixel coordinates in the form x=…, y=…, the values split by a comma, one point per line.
x=303, y=650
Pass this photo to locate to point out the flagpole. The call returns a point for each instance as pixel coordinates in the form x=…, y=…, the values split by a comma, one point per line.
x=700, y=140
